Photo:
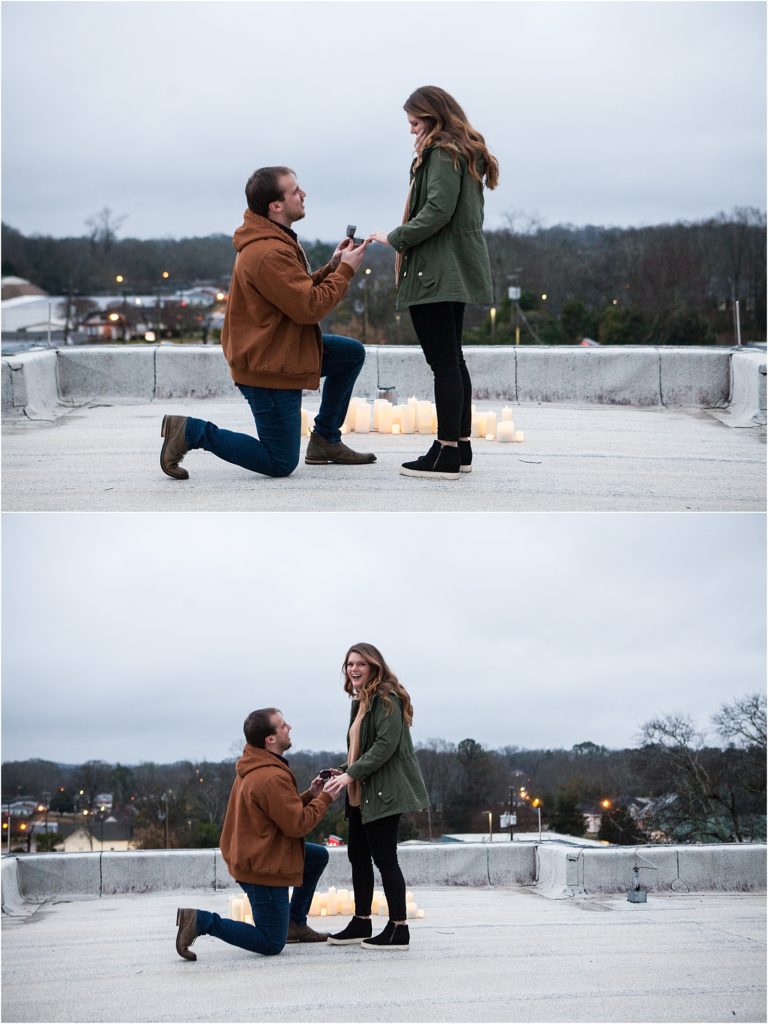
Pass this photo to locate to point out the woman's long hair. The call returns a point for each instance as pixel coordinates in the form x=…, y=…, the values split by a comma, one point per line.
x=382, y=682
x=449, y=128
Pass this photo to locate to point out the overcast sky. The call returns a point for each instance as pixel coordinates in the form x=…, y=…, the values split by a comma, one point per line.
x=604, y=113
x=151, y=637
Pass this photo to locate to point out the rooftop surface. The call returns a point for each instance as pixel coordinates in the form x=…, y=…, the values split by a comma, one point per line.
x=480, y=954
x=105, y=457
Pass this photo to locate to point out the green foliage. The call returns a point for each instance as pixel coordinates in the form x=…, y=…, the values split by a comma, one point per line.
x=45, y=842
x=566, y=817
x=621, y=325
x=617, y=826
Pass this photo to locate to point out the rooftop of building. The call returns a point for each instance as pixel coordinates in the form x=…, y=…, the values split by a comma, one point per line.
x=604, y=430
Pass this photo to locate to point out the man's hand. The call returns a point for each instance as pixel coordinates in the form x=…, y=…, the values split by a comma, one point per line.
x=335, y=785
x=341, y=248
x=378, y=236
x=354, y=257
x=316, y=786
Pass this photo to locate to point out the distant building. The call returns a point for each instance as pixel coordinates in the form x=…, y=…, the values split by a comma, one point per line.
x=96, y=837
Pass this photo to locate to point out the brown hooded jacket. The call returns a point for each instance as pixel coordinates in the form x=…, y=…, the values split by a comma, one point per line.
x=271, y=337
x=262, y=838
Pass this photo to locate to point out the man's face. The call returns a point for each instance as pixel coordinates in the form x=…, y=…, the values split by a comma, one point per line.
x=280, y=741
x=292, y=204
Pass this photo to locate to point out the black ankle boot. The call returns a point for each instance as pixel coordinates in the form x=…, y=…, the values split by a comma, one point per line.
x=465, y=456
x=440, y=463
x=394, y=936
x=359, y=928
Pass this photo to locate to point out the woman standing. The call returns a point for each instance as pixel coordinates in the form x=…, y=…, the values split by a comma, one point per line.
x=443, y=262
x=383, y=780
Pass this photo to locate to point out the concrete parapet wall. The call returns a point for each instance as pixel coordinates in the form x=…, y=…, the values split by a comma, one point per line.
x=29, y=385
x=553, y=869
x=37, y=384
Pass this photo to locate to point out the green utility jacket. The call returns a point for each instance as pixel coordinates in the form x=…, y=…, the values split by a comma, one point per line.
x=387, y=769
x=445, y=258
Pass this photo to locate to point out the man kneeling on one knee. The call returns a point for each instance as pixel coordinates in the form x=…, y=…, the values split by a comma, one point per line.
x=273, y=344
x=263, y=846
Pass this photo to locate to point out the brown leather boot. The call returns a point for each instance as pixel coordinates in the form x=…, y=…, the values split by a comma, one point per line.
x=186, y=919
x=303, y=933
x=320, y=452
x=174, y=446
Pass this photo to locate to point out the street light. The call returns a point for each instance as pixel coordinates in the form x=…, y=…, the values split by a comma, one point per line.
x=490, y=825
x=536, y=802
x=365, y=303
x=493, y=324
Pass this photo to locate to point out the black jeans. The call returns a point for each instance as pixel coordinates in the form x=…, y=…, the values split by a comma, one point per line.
x=438, y=327
x=375, y=842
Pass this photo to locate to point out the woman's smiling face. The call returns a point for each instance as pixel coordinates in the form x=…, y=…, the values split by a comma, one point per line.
x=358, y=670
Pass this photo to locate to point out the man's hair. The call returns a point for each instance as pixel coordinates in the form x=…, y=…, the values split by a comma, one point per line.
x=258, y=725
x=262, y=188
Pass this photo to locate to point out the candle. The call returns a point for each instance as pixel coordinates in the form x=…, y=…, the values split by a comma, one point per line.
x=407, y=418
x=323, y=912
x=410, y=907
x=314, y=907
x=395, y=428
x=333, y=902
x=362, y=418
x=505, y=431
x=304, y=423
x=419, y=913
x=378, y=405
x=385, y=418
x=349, y=419
x=489, y=437
x=506, y=413
x=519, y=435
x=413, y=403
x=424, y=418
x=478, y=425
x=490, y=425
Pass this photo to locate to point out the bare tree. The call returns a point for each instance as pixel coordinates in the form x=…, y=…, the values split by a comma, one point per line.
x=742, y=722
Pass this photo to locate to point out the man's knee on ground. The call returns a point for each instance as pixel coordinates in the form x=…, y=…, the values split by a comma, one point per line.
x=284, y=467
x=273, y=947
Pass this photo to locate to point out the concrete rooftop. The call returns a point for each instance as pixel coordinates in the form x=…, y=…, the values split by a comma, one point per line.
x=606, y=429
x=480, y=954
x=105, y=457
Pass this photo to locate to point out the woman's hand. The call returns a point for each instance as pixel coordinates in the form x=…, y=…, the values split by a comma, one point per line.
x=335, y=785
x=378, y=236
x=418, y=141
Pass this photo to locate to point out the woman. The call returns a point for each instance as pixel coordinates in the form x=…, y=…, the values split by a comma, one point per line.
x=382, y=780
x=443, y=263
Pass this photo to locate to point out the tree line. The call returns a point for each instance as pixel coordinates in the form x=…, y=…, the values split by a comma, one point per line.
x=699, y=792
x=664, y=284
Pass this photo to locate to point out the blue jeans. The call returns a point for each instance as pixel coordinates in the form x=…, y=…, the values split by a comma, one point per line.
x=270, y=908
x=277, y=412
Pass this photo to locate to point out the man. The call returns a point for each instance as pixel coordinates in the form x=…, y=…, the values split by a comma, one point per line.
x=263, y=847
x=273, y=344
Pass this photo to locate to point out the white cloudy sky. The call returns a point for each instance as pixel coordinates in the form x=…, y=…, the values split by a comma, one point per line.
x=150, y=637
x=620, y=113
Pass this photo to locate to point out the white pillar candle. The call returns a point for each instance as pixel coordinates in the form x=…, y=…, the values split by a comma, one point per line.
x=323, y=912
x=506, y=413
x=410, y=908
x=419, y=913
x=385, y=418
x=407, y=419
x=304, y=423
x=505, y=431
x=413, y=403
x=362, y=418
x=378, y=405
x=424, y=418
x=349, y=419
x=519, y=435
x=478, y=425
x=395, y=428
x=490, y=425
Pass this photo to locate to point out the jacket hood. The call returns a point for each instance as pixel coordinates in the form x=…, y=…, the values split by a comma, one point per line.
x=256, y=228
x=255, y=757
